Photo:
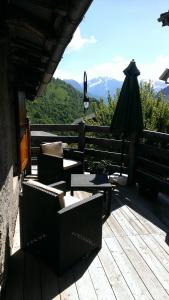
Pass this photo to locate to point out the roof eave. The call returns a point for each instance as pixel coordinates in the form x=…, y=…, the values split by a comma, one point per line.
x=69, y=28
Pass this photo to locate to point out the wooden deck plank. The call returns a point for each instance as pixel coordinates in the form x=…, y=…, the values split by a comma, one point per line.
x=142, y=209
x=133, y=220
x=132, y=264
x=49, y=283
x=68, y=289
x=162, y=241
x=122, y=220
x=15, y=279
x=145, y=273
x=100, y=281
x=115, y=226
x=131, y=276
x=150, y=225
x=152, y=261
x=115, y=277
x=106, y=231
x=157, y=250
x=84, y=284
x=32, y=278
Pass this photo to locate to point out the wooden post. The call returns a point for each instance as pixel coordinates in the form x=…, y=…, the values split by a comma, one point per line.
x=81, y=145
x=28, y=168
x=131, y=162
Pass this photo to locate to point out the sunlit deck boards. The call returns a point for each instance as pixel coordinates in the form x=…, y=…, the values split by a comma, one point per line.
x=132, y=264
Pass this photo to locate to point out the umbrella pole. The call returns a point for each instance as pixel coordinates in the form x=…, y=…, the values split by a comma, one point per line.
x=122, y=157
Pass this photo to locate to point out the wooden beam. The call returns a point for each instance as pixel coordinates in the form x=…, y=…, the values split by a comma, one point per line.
x=56, y=7
x=27, y=63
x=28, y=47
x=25, y=21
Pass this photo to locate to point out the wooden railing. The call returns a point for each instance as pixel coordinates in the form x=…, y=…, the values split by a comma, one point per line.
x=142, y=161
x=152, y=161
x=95, y=141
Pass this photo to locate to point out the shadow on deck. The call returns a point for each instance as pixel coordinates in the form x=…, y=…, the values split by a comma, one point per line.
x=30, y=278
x=132, y=264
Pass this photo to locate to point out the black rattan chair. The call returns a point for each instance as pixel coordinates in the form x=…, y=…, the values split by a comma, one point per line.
x=53, y=168
x=61, y=236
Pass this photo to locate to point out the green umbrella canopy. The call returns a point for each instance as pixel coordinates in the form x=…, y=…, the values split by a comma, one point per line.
x=127, y=121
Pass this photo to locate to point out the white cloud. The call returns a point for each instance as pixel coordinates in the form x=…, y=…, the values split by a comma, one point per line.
x=78, y=41
x=63, y=74
x=69, y=74
x=152, y=71
x=114, y=69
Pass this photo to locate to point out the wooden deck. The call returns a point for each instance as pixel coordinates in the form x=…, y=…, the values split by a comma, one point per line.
x=132, y=264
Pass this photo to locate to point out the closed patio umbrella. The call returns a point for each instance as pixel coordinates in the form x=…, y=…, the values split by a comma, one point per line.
x=127, y=121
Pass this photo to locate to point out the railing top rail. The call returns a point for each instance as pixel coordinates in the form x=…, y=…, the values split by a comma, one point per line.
x=92, y=128
x=157, y=135
x=54, y=127
x=99, y=129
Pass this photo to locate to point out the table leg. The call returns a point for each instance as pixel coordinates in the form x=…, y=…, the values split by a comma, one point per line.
x=109, y=195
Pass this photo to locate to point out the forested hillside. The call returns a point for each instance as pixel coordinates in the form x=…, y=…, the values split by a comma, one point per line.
x=155, y=109
x=60, y=103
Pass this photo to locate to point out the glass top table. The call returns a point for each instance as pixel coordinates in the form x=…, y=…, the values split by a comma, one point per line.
x=93, y=183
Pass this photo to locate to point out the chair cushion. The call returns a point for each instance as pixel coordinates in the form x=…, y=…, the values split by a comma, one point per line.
x=65, y=145
x=55, y=148
x=59, y=193
x=69, y=200
x=64, y=201
x=69, y=163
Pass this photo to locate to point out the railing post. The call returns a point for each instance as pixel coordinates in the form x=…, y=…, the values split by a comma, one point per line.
x=131, y=162
x=28, y=168
x=81, y=136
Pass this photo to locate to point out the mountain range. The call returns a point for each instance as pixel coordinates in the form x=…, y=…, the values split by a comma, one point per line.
x=100, y=87
x=97, y=87
x=165, y=92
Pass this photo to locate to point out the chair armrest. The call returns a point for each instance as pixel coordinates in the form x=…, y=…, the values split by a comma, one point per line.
x=90, y=201
x=59, y=185
x=79, y=226
x=73, y=154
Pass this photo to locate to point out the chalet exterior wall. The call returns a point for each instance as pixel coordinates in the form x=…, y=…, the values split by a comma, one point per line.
x=9, y=184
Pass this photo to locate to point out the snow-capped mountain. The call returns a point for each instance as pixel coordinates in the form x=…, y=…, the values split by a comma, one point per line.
x=165, y=92
x=158, y=85
x=100, y=87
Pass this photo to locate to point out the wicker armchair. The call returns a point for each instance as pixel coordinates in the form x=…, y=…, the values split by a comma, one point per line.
x=60, y=235
x=54, y=167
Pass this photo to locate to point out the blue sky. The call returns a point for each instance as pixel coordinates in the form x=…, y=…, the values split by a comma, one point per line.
x=114, y=32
